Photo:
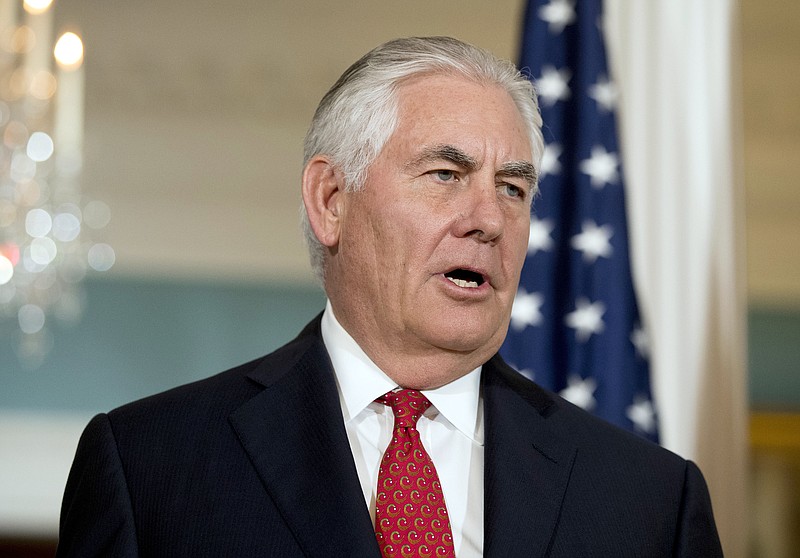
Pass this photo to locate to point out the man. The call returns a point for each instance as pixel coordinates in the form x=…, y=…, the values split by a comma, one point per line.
x=390, y=426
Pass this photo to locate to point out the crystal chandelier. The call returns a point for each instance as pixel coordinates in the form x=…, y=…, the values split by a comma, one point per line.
x=46, y=224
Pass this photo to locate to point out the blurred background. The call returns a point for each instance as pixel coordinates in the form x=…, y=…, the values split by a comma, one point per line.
x=193, y=119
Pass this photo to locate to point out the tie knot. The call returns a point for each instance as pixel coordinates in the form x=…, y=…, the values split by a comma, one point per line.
x=407, y=406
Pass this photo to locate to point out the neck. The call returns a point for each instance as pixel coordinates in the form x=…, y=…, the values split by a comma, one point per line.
x=413, y=361
x=421, y=368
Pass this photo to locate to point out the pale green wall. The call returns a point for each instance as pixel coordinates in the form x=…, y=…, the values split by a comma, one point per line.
x=774, y=367
x=138, y=337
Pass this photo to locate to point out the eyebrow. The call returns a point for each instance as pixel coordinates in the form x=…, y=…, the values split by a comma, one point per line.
x=520, y=169
x=445, y=152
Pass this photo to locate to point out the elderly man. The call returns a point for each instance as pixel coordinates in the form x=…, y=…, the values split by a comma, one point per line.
x=389, y=426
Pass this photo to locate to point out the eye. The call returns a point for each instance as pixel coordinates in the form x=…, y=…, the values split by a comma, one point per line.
x=445, y=175
x=513, y=191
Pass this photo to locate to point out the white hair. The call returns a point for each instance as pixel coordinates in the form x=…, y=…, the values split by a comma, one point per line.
x=356, y=117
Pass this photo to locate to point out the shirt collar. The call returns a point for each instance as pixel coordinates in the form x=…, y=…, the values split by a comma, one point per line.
x=360, y=382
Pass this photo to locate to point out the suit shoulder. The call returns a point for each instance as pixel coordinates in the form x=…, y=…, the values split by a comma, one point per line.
x=593, y=436
x=601, y=437
x=183, y=410
x=217, y=395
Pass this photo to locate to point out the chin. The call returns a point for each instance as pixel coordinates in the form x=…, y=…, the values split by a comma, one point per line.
x=461, y=328
x=486, y=344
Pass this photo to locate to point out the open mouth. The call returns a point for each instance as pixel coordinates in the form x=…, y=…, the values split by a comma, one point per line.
x=465, y=278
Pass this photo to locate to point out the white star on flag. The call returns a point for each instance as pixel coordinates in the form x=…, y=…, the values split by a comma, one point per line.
x=552, y=86
x=641, y=341
x=580, y=392
x=558, y=14
x=605, y=93
x=578, y=258
x=642, y=414
x=550, y=163
x=586, y=319
x=593, y=241
x=527, y=372
x=526, y=310
x=601, y=166
x=539, y=237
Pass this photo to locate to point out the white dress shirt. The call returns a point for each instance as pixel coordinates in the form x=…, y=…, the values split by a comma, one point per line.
x=451, y=431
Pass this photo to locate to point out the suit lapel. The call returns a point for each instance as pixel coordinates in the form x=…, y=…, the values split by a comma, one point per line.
x=527, y=465
x=294, y=434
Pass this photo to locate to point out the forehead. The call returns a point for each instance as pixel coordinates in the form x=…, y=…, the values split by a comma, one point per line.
x=437, y=109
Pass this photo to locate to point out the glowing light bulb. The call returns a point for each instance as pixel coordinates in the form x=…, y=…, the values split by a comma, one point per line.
x=69, y=51
x=40, y=147
x=6, y=270
x=37, y=6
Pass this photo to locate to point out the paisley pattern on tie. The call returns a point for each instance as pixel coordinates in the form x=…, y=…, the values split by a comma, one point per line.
x=410, y=514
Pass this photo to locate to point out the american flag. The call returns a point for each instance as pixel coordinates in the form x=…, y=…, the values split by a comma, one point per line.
x=575, y=325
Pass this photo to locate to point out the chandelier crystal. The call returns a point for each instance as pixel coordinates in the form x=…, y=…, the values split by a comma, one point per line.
x=46, y=224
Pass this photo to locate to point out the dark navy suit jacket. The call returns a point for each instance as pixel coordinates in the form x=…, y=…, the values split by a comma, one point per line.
x=256, y=462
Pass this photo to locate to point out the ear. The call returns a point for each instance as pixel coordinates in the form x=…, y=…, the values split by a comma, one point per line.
x=323, y=189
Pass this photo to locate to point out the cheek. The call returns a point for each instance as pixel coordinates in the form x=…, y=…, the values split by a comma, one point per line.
x=518, y=234
x=383, y=247
x=404, y=232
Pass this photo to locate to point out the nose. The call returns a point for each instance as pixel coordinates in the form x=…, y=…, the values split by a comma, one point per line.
x=481, y=216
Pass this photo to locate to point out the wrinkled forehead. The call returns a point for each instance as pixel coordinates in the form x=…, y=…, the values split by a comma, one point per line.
x=445, y=109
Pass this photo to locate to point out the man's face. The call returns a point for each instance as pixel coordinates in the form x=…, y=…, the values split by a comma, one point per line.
x=430, y=251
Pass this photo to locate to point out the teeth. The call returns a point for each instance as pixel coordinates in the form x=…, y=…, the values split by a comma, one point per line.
x=464, y=283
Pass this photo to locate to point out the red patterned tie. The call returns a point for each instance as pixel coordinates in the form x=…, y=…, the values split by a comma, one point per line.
x=410, y=515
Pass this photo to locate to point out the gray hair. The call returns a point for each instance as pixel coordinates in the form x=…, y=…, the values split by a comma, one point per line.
x=356, y=117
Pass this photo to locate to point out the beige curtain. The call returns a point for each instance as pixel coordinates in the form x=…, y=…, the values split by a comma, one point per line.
x=675, y=64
